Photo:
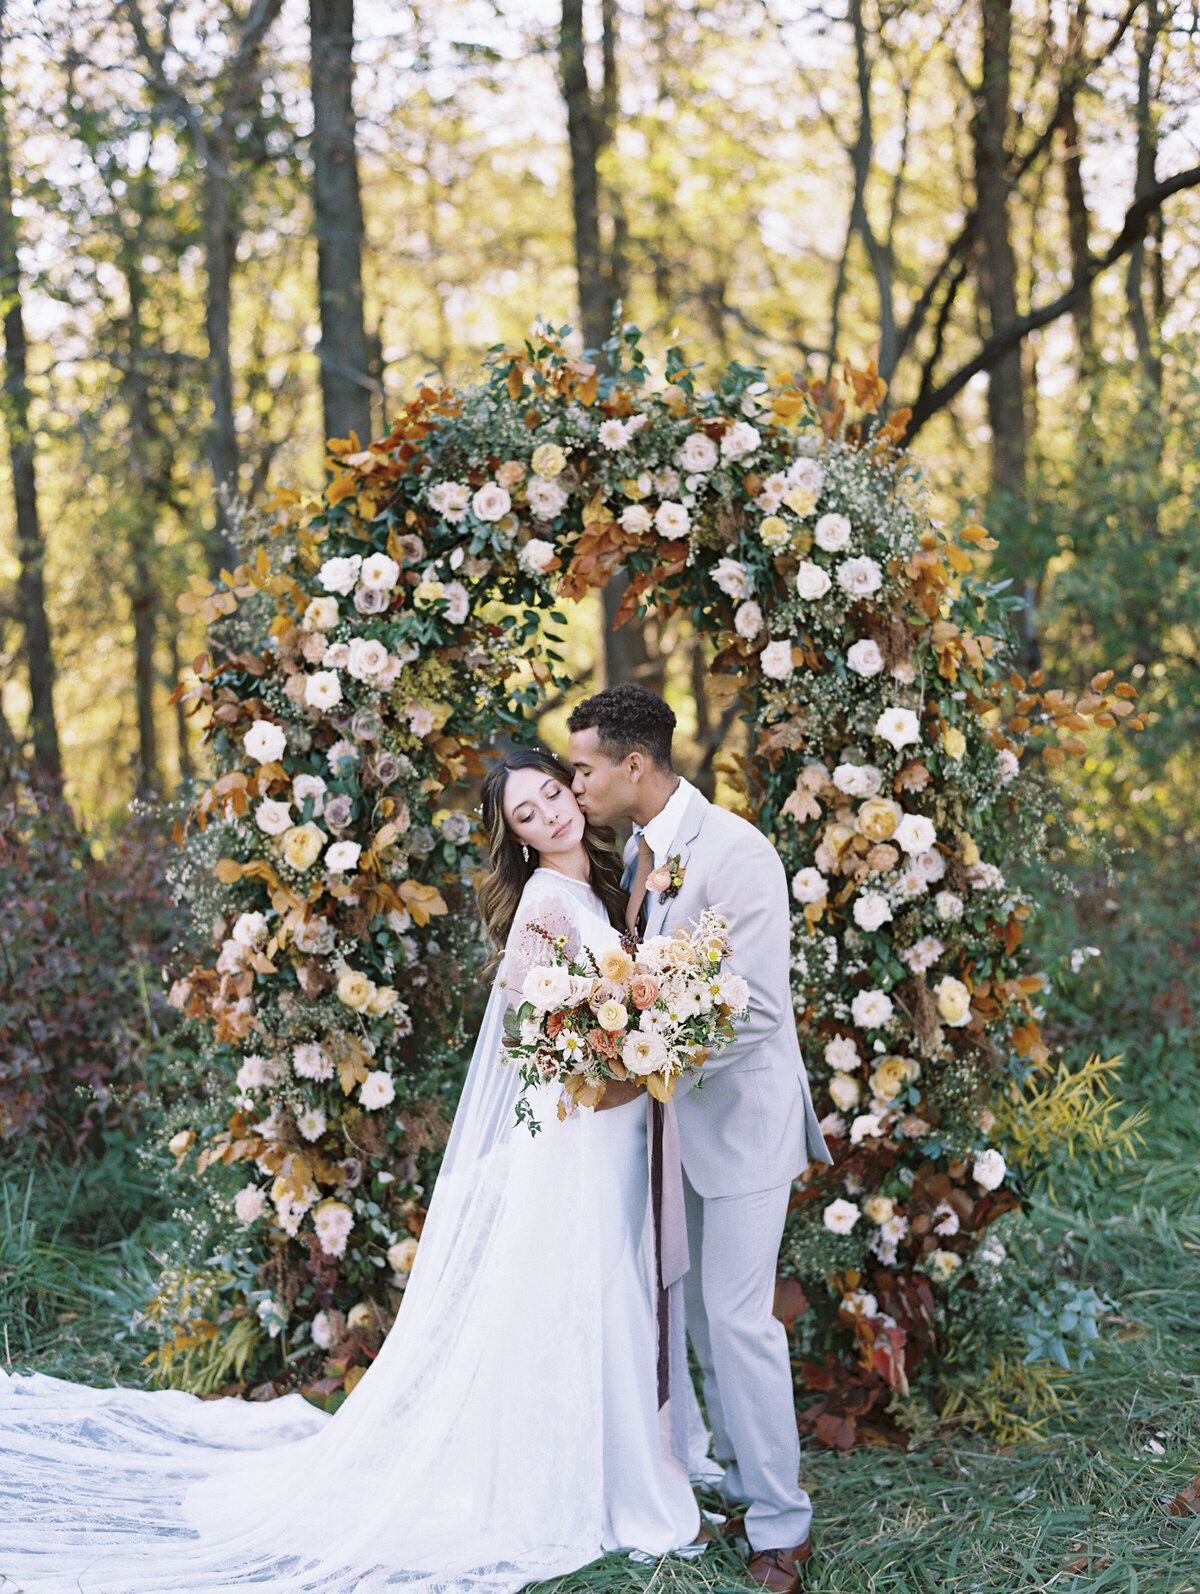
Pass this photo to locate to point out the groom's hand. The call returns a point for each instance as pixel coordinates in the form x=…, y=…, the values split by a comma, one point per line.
x=617, y=1092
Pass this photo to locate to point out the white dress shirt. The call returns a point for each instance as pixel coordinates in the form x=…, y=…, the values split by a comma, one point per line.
x=661, y=831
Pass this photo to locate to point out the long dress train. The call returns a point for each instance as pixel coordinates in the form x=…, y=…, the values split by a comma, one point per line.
x=507, y=1432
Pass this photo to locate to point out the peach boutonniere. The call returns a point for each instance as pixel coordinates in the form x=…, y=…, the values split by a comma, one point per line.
x=668, y=879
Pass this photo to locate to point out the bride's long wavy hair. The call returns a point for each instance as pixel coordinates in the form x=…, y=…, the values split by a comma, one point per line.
x=501, y=891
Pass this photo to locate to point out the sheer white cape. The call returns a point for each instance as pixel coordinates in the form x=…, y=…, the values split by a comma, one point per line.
x=469, y=1459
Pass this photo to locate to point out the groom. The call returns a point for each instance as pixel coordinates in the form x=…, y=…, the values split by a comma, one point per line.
x=748, y=1130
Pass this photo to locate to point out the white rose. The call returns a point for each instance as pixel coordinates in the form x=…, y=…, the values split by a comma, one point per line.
x=844, y=1091
x=989, y=1170
x=537, y=555
x=380, y=571
x=864, y=658
x=340, y=575
x=740, y=440
x=672, y=519
x=644, y=1052
x=899, y=726
x=842, y=1054
x=377, y=1090
x=871, y=1009
x=747, y=621
x=948, y=905
x=809, y=885
x=871, y=910
x=777, y=659
x=915, y=834
x=341, y=856
x=491, y=502
x=840, y=1216
x=636, y=519
x=867, y=1123
x=832, y=532
x=321, y=615
x=547, y=986
x=305, y=786
x=931, y=864
x=545, y=498
x=249, y=929
x=367, y=658
x=811, y=581
x=859, y=577
x=698, y=454
x=272, y=817
x=265, y=741
x=323, y=689
x=733, y=578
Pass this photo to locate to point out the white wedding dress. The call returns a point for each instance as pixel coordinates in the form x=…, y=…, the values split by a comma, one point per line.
x=507, y=1432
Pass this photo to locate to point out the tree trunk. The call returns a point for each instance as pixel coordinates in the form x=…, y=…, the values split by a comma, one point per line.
x=31, y=553
x=220, y=243
x=586, y=136
x=1078, y=228
x=997, y=262
x=1145, y=259
x=343, y=350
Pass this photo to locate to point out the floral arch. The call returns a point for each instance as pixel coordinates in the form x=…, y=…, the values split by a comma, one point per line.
x=363, y=658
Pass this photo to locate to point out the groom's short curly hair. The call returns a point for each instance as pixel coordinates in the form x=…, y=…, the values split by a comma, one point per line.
x=627, y=719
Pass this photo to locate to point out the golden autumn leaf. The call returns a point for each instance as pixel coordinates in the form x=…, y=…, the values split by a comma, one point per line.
x=422, y=901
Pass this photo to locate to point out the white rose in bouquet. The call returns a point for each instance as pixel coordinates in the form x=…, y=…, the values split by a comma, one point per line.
x=832, y=532
x=536, y=557
x=871, y=911
x=340, y=575
x=899, y=726
x=872, y=1009
x=733, y=578
x=491, y=502
x=644, y=1052
x=323, y=689
x=840, y=1216
x=377, y=1090
x=547, y=986
x=859, y=577
x=953, y=1002
x=915, y=834
x=809, y=885
x=989, y=1170
x=858, y=780
x=321, y=615
x=546, y=499
x=367, y=658
x=272, y=817
x=698, y=454
x=740, y=440
x=864, y=658
x=777, y=659
x=747, y=621
x=672, y=519
x=844, y=1091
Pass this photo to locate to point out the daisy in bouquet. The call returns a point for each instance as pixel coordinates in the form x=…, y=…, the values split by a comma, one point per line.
x=635, y=1011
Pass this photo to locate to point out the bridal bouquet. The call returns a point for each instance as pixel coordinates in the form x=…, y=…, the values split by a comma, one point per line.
x=645, y=1014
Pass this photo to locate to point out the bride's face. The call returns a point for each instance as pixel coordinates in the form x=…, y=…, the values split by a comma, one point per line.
x=542, y=813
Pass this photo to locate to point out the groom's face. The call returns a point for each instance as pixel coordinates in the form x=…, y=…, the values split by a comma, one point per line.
x=604, y=790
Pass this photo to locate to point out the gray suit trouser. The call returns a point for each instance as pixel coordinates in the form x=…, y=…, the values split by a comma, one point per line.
x=742, y=1349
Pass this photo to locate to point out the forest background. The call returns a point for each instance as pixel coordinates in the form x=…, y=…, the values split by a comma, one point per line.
x=228, y=231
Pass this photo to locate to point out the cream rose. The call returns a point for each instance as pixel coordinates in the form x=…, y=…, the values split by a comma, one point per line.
x=733, y=578
x=321, y=615
x=355, y=990
x=672, y=519
x=747, y=621
x=272, y=817
x=546, y=499
x=776, y=659
x=809, y=885
x=832, y=532
x=890, y=1077
x=612, y=1016
x=844, y=1091
x=915, y=834
x=548, y=460
x=879, y=1208
x=265, y=742
x=953, y=1001
x=615, y=963
x=871, y=911
x=643, y=1053
x=840, y=1216
x=698, y=454
x=491, y=502
x=989, y=1170
x=302, y=845
x=864, y=658
x=899, y=726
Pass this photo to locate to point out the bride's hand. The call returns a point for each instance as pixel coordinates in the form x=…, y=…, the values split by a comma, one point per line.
x=617, y=1092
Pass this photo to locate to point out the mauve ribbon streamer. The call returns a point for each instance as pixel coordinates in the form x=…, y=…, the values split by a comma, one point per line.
x=671, y=1262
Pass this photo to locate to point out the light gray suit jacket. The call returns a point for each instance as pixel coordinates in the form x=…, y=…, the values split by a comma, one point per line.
x=750, y=1124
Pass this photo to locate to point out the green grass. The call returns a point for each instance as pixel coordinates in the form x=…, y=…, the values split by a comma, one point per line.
x=1084, y=1512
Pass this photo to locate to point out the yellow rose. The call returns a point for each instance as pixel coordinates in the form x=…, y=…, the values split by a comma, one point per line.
x=844, y=1091
x=358, y=1316
x=801, y=501
x=355, y=990
x=615, y=963
x=774, y=532
x=612, y=1016
x=970, y=852
x=302, y=845
x=954, y=742
x=953, y=1001
x=878, y=818
x=890, y=1077
x=549, y=460
x=383, y=1000
x=428, y=592
x=879, y=1208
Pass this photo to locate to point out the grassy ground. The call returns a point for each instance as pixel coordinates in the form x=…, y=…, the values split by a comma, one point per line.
x=1083, y=1512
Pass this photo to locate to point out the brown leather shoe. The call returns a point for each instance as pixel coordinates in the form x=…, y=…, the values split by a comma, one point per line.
x=778, y=1570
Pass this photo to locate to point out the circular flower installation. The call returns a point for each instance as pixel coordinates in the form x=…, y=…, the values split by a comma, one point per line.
x=388, y=629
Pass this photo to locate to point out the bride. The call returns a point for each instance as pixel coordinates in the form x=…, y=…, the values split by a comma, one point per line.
x=507, y=1432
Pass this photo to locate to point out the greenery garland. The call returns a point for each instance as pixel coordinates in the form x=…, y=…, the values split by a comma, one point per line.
x=385, y=632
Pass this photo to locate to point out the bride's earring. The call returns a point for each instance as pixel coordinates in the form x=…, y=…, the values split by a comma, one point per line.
x=525, y=851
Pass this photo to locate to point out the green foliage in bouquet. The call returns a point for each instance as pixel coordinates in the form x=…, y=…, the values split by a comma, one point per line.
x=900, y=766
